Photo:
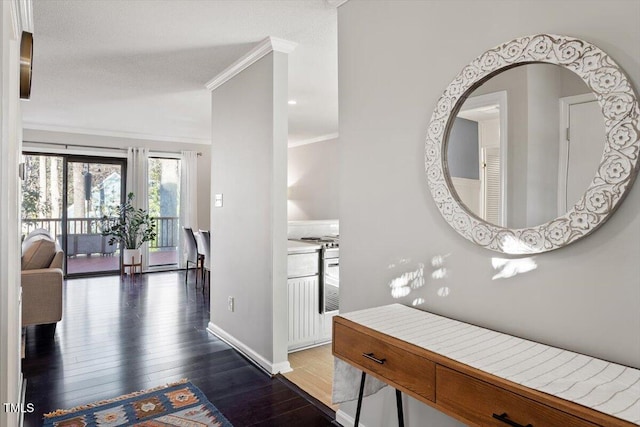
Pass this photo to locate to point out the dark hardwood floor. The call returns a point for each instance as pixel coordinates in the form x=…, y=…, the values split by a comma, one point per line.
x=119, y=336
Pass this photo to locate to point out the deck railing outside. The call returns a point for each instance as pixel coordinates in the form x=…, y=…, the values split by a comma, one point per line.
x=166, y=228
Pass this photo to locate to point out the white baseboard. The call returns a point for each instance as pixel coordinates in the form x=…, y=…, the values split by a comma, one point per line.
x=308, y=347
x=282, y=367
x=258, y=360
x=346, y=420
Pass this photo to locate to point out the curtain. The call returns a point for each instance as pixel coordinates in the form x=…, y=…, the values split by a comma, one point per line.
x=188, y=197
x=138, y=183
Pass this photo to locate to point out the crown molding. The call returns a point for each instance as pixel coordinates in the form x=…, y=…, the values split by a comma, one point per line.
x=266, y=46
x=282, y=45
x=322, y=138
x=114, y=134
x=336, y=3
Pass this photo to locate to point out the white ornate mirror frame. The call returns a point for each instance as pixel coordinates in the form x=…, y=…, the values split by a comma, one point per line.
x=613, y=178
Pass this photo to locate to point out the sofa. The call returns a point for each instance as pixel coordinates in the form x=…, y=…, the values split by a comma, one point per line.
x=42, y=279
x=88, y=244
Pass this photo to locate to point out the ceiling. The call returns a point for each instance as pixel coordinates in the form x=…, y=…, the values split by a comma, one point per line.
x=139, y=68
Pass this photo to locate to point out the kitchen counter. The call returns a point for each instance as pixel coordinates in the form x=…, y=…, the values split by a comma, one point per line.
x=298, y=247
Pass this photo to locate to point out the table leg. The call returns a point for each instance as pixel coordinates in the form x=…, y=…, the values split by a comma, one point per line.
x=364, y=375
x=399, y=405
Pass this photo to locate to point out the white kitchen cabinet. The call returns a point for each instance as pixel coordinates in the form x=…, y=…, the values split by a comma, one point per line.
x=304, y=320
x=307, y=327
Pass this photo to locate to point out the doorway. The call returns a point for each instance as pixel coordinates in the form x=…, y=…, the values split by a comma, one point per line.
x=477, y=156
x=68, y=195
x=581, y=136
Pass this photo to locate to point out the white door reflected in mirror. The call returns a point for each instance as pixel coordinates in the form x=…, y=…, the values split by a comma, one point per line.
x=580, y=147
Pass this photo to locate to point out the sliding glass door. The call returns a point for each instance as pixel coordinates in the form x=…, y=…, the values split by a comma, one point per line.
x=93, y=188
x=68, y=195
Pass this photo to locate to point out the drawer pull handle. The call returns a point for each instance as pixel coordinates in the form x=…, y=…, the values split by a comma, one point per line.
x=370, y=356
x=505, y=419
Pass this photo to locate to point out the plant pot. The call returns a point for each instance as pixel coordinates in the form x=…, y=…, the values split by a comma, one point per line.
x=132, y=256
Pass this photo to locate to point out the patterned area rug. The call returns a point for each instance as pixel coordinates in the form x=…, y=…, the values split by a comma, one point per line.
x=178, y=404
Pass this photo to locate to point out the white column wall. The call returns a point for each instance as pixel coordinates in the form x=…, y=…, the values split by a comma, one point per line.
x=248, y=234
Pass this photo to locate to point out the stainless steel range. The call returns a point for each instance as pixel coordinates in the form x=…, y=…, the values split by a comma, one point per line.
x=329, y=272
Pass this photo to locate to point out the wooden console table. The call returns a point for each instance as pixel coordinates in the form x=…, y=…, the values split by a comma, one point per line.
x=486, y=378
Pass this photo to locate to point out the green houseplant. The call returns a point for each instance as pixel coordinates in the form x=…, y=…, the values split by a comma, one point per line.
x=130, y=227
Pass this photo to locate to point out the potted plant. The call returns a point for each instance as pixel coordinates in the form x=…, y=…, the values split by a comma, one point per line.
x=130, y=227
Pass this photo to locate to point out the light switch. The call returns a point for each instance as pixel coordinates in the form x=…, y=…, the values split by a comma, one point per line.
x=217, y=201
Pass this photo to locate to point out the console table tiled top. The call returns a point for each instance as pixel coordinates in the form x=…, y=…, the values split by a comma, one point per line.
x=603, y=386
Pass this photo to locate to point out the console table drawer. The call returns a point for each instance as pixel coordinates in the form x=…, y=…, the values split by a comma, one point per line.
x=477, y=401
x=397, y=366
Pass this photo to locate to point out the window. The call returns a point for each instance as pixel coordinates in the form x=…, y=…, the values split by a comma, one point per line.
x=164, y=208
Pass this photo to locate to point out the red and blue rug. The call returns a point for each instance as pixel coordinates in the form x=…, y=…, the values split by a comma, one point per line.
x=178, y=404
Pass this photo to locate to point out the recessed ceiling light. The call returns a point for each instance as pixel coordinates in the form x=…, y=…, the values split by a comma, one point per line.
x=292, y=102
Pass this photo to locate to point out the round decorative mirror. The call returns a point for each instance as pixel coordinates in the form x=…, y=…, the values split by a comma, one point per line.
x=533, y=145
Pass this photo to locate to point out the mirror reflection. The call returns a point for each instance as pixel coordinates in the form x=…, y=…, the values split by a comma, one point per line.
x=525, y=145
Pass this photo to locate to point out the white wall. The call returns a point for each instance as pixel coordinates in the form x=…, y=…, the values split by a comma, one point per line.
x=10, y=142
x=312, y=181
x=249, y=233
x=396, y=58
x=204, y=161
x=543, y=142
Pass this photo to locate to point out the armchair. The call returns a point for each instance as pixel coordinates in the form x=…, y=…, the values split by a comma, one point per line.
x=41, y=279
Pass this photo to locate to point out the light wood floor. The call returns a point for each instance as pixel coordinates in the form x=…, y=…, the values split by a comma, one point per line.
x=313, y=372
